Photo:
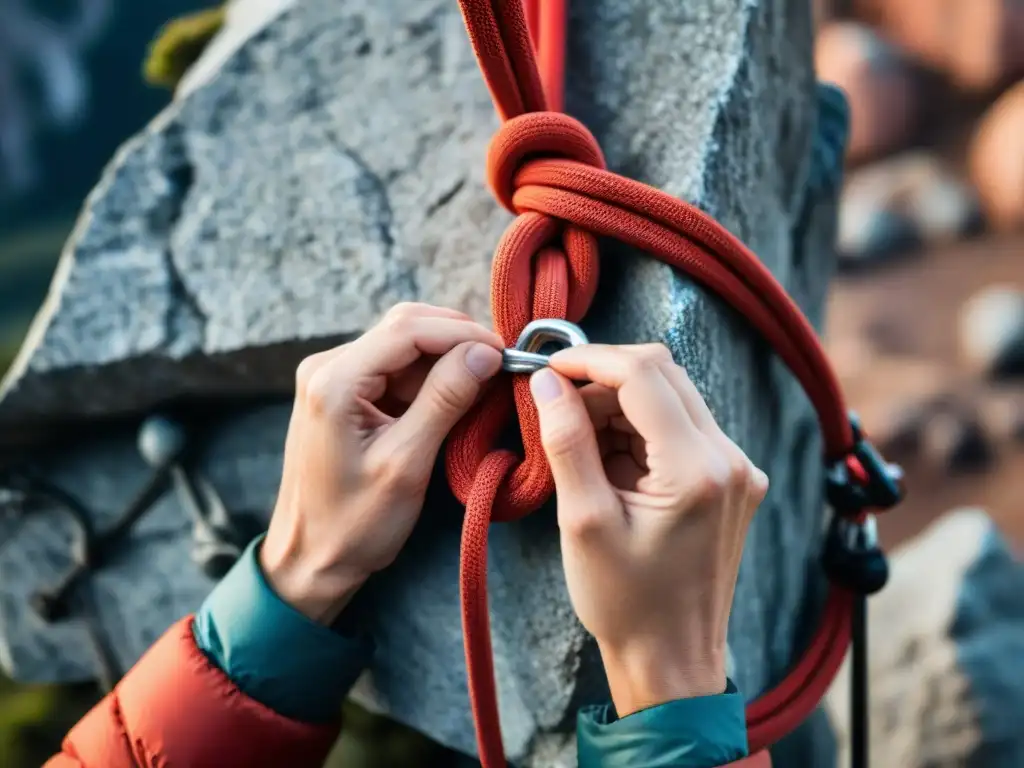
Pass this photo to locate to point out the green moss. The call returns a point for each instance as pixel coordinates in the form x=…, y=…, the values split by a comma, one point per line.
x=34, y=719
x=17, y=711
x=21, y=709
x=179, y=44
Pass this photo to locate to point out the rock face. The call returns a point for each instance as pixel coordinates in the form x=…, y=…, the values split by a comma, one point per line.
x=996, y=158
x=878, y=80
x=333, y=165
x=898, y=203
x=946, y=636
x=70, y=92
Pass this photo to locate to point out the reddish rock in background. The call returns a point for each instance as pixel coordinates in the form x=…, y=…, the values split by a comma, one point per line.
x=879, y=82
x=826, y=10
x=991, y=331
x=977, y=43
x=902, y=201
x=996, y=159
x=897, y=339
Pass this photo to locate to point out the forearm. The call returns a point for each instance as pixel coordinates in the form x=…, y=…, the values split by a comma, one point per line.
x=647, y=674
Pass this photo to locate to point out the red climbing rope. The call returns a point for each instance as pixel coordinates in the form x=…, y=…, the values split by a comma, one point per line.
x=547, y=167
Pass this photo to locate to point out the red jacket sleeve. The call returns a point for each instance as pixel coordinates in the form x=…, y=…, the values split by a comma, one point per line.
x=760, y=759
x=175, y=709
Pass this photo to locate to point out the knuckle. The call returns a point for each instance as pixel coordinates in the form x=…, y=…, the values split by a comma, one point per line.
x=657, y=354
x=640, y=366
x=759, y=486
x=318, y=393
x=398, y=323
x=587, y=519
x=739, y=470
x=712, y=479
x=400, y=316
x=314, y=367
x=304, y=373
x=308, y=367
x=402, y=309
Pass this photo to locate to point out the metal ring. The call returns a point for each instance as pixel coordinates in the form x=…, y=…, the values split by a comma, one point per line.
x=524, y=357
x=858, y=536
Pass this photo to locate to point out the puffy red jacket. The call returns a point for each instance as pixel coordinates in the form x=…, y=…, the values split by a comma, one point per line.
x=199, y=720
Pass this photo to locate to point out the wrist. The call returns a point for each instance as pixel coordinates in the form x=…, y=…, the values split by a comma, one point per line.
x=320, y=595
x=644, y=675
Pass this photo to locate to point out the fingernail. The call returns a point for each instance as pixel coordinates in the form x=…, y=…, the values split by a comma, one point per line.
x=483, y=361
x=545, y=386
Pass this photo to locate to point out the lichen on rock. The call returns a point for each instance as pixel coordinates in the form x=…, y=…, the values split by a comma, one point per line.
x=179, y=44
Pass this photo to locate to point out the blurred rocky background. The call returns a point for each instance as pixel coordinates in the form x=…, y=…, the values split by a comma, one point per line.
x=926, y=322
x=926, y=329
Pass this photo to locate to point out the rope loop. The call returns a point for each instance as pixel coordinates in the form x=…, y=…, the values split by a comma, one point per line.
x=552, y=135
x=542, y=268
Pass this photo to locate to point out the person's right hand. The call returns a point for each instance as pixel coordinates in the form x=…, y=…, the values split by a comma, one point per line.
x=654, y=502
x=354, y=478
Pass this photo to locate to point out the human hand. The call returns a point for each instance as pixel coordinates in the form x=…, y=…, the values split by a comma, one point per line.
x=354, y=478
x=654, y=502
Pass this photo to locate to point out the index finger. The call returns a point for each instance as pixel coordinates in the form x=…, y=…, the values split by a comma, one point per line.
x=648, y=400
x=390, y=348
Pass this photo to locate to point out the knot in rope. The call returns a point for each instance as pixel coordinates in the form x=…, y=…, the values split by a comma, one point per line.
x=543, y=267
x=552, y=135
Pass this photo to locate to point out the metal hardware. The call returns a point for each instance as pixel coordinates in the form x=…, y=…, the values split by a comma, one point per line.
x=216, y=538
x=852, y=557
x=525, y=356
x=858, y=536
x=215, y=545
x=52, y=604
x=88, y=546
x=847, y=495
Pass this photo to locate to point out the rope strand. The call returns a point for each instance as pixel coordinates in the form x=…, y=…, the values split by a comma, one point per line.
x=547, y=168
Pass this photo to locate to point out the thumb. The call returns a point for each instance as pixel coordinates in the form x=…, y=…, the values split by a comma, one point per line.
x=586, y=500
x=448, y=392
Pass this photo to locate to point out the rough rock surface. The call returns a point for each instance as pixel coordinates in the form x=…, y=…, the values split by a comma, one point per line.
x=945, y=638
x=333, y=166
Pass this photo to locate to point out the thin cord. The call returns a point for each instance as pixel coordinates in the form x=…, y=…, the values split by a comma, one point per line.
x=860, y=741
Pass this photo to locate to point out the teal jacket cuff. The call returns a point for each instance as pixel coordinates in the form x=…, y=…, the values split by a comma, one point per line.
x=273, y=653
x=703, y=732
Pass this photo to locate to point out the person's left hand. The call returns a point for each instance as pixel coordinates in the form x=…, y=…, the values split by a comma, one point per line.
x=355, y=476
